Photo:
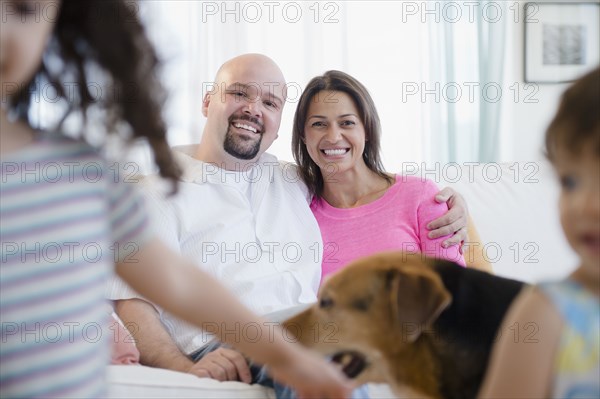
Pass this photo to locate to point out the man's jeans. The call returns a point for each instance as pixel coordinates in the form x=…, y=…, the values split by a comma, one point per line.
x=260, y=376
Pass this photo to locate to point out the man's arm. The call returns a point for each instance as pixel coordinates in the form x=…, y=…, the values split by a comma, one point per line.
x=157, y=348
x=454, y=221
x=184, y=290
x=458, y=222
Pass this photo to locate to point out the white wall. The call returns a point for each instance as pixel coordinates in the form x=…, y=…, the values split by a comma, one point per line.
x=524, y=121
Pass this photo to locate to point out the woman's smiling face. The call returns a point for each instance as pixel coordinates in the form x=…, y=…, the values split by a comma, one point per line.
x=334, y=133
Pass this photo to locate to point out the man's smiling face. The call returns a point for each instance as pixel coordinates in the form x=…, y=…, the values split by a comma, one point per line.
x=245, y=107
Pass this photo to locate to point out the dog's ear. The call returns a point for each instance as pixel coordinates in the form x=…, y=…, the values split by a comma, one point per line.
x=417, y=298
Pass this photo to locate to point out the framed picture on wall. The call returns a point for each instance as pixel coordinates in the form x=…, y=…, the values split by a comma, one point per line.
x=562, y=41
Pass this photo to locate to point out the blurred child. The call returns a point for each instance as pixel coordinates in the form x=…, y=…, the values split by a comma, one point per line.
x=67, y=218
x=550, y=340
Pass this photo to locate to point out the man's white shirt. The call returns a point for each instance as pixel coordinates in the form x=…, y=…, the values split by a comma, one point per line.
x=251, y=229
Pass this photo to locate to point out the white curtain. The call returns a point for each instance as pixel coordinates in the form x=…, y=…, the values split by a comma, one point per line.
x=467, y=60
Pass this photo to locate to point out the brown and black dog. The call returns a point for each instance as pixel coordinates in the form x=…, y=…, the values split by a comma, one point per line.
x=411, y=321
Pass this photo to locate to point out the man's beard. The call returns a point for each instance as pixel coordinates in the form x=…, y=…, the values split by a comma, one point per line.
x=242, y=147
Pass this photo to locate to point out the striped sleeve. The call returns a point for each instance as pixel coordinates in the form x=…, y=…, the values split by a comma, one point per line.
x=129, y=222
x=149, y=205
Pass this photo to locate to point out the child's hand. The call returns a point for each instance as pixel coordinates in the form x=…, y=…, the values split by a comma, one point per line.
x=312, y=377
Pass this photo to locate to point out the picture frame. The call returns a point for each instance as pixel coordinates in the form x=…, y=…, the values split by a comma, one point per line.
x=562, y=41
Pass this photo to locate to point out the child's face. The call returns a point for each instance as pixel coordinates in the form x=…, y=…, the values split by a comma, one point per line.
x=25, y=28
x=580, y=204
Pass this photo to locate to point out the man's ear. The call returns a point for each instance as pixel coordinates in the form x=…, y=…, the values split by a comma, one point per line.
x=417, y=298
x=205, y=103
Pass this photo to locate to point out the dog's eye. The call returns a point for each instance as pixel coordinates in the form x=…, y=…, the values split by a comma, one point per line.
x=326, y=303
x=361, y=304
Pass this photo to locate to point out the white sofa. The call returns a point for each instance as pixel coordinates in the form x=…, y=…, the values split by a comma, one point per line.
x=515, y=209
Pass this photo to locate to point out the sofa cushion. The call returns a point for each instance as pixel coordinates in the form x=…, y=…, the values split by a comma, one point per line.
x=148, y=382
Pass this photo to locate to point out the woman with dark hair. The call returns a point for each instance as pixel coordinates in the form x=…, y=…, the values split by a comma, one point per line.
x=67, y=219
x=361, y=209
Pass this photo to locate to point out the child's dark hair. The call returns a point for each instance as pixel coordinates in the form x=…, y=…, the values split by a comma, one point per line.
x=576, y=124
x=106, y=35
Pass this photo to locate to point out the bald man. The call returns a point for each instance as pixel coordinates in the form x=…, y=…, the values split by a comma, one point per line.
x=241, y=214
